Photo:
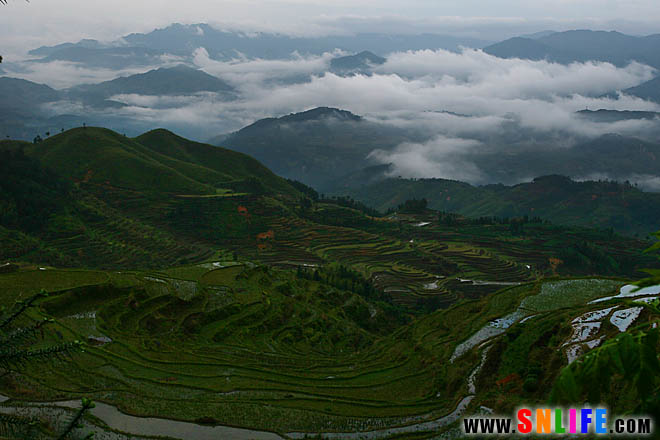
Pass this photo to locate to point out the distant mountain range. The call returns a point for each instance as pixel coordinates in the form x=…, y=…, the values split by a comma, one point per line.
x=24, y=112
x=323, y=146
x=603, y=115
x=181, y=40
x=580, y=46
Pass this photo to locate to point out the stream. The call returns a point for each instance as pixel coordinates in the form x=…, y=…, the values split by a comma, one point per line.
x=150, y=426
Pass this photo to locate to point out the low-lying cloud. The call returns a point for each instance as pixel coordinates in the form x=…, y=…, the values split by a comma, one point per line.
x=459, y=101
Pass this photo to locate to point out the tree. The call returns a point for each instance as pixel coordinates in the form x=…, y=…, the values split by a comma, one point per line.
x=625, y=365
x=18, y=337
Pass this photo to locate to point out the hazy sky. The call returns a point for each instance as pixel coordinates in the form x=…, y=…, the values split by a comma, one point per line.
x=26, y=25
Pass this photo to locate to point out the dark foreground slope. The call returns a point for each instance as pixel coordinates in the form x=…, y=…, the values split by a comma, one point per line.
x=287, y=316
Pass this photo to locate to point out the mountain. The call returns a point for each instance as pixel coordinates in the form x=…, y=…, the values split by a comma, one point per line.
x=362, y=62
x=140, y=49
x=525, y=48
x=22, y=112
x=580, y=46
x=45, y=51
x=324, y=147
x=316, y=146
x=24, y=97
x=179, y=80
x=649, y=90
x=599, y=204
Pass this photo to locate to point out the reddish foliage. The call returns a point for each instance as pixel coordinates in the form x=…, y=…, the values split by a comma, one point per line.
x=510, y=378
x=270, y=235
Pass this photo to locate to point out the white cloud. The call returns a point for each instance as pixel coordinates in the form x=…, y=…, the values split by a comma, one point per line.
x=439, y=157
x=459, y=101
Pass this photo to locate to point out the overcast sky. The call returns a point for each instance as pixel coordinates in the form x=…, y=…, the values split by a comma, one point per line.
x=26, y=25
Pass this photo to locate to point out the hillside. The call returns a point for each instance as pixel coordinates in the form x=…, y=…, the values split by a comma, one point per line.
x=264, y=311
x=24, y=97
x=230, y=167
x=92, y=197
x=555, y=198
x=315, y=146
x=610, y=156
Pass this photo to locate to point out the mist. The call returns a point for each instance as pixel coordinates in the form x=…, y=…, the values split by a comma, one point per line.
x=460, y=103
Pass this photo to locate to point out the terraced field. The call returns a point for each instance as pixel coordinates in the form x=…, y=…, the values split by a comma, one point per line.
x=237, y=302
x=235, y=344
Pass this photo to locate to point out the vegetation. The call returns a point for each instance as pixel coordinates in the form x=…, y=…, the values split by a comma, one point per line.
x=21, y=348
x=604, y=204
x=228, y=296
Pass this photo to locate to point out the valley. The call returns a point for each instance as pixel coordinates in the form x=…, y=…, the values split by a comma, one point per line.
x=299, y=220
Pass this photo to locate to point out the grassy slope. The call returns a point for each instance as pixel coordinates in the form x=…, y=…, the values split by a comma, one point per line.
x=220, y=165
x=91, y=197
x=110, y=157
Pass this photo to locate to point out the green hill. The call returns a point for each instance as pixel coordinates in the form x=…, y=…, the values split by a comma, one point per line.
x=102, y=156
x=221, y=166
x=559, y=199
x=91, y=197
x=158, y=161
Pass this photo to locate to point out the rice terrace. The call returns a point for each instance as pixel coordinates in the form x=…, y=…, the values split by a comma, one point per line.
x=266, y=312
x=369, y=225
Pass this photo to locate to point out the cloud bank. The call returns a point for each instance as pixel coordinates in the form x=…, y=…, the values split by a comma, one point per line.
x=460, y=102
